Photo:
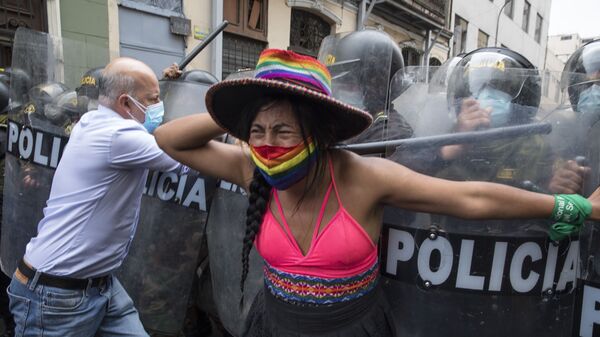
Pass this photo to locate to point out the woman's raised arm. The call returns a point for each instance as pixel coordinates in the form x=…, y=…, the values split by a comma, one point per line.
x=399, y=186
x=189, y=140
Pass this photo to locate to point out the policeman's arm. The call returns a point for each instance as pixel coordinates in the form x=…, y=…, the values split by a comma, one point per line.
x=172, y=71
x=189, y=140
x=399, y=186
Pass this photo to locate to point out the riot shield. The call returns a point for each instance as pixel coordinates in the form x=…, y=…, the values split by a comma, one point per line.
x=225, y=233
x=159, y=270
x=456, y=277
x=40, y=120
x=185, y=95
x=585, y=147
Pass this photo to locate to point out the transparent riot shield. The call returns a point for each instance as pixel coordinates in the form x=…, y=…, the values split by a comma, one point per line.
x=183, y=97
x=360, y=76
x=584, y=148
x=455, y=277
x=40, y=119
x=225, y=233
x=169, y=244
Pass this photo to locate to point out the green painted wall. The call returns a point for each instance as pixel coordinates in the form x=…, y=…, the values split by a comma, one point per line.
x=84, y=26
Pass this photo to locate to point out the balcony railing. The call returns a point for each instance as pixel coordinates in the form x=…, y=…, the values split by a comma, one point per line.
x=420, y=14
x=434, y=9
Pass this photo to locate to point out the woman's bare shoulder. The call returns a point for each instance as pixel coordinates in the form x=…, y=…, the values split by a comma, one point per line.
x=354, y=169
x=353, y=164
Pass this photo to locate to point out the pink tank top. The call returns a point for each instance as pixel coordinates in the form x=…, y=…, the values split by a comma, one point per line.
x=342, y=249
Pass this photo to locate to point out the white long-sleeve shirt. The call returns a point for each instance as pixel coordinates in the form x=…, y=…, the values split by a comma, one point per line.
x=93, y=210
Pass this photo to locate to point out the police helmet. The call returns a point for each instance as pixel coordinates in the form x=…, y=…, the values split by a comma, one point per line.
x=63, y=110
x=439, y=79
x=582, y=70
x=377, y=56
x=499, y=69
x=89, y=83
x=89, y=90
x=41, y=95
x=19, y=84
x=199, y=76
x=4, y=96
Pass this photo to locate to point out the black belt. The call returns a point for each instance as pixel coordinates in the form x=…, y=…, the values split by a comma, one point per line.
x=61, y=281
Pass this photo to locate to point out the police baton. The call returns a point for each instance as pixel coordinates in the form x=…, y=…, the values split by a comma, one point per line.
x=189, y=57
x=451, y=139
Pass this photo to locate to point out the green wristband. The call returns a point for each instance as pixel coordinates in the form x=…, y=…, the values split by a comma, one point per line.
x=570, y=211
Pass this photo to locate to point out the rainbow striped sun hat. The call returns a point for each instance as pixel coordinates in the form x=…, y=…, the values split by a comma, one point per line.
x=286, y=73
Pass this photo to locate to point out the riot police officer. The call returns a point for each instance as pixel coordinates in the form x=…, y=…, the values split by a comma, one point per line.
x=466, y=285
x=41, y=97
x=492, y=88
x=581, y=79
x=584, y=92
x=19, y=83
x=42, y=112
x=484, y=94
x=88, y=90
x=64, y=111
x=379, y=58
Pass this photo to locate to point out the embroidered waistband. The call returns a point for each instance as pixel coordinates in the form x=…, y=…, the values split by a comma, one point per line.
x=317, y=290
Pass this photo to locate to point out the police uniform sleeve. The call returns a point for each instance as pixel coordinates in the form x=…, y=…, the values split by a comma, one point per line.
x=135, y=148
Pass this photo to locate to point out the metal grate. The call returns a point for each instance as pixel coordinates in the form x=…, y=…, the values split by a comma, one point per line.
x=14, y=14
x=172, y=5
x=240, y=53
x=307, y=31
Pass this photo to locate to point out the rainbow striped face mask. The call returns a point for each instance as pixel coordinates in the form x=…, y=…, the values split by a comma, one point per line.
x=284, y=166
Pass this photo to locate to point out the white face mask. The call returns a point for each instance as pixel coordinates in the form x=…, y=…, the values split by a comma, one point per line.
x=153, y=114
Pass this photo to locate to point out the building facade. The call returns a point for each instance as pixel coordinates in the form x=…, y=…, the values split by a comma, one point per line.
x=521, y=25
x=161, y=32
x=562, y=46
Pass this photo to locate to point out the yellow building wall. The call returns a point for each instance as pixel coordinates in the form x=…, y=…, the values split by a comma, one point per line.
x=280, y=17
x=346, y=13
x=200, y=15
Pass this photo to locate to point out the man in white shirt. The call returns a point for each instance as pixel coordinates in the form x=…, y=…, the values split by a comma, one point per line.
x=64, y=285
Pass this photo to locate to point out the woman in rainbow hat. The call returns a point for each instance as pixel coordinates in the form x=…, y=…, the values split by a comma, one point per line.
x=315, y=212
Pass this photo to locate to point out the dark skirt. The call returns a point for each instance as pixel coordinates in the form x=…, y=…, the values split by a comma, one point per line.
x=367, y=316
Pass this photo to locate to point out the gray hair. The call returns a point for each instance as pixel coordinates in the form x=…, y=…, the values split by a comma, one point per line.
x=112, y=84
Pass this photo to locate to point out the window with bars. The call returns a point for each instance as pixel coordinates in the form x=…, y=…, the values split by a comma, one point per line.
x=19, y=13
x=240, y=53
x=306, y=32
x=434, y=62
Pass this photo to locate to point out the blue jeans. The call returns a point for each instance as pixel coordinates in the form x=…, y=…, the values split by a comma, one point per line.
x=46, y=311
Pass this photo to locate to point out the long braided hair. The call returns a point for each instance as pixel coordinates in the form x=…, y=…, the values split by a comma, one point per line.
x=312, y=123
